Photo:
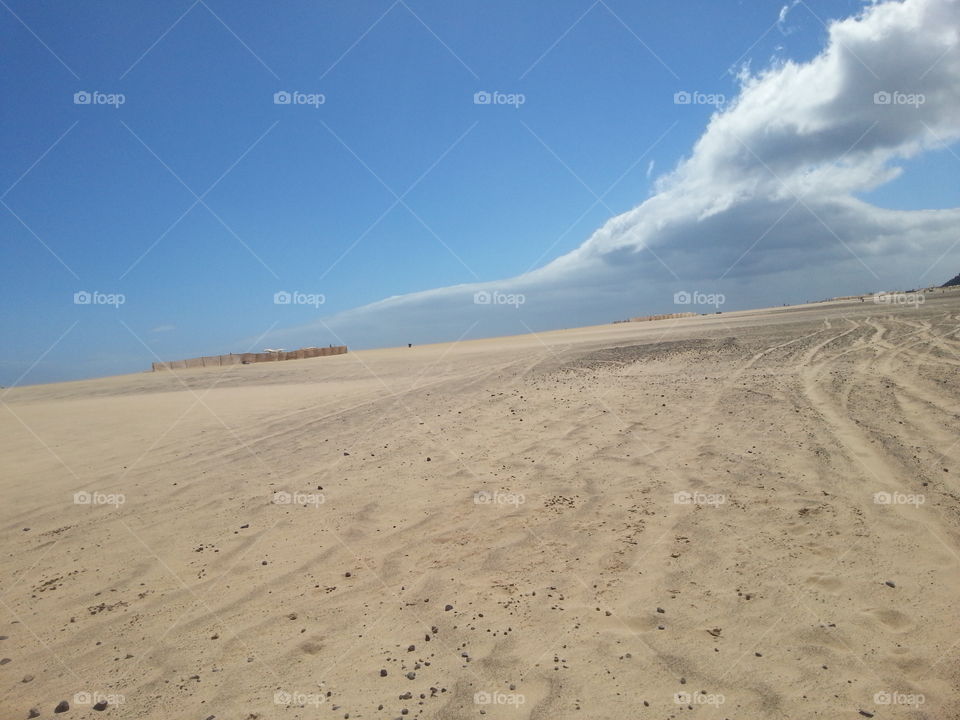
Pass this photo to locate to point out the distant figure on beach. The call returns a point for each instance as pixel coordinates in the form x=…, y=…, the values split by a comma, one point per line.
x=409, y=345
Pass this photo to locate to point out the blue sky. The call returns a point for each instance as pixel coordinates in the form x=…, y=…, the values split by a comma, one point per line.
x=198, y=198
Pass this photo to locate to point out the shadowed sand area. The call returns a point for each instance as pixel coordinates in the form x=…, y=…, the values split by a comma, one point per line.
x=616, y=514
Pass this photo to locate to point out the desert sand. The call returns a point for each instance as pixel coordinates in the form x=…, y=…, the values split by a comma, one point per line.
x=746, y=515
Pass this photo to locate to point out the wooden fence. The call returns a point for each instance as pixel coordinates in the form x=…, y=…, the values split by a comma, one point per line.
x=246, y=358
x=669, y=316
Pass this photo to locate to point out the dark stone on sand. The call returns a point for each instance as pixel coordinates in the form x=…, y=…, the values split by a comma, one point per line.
x=62, y=707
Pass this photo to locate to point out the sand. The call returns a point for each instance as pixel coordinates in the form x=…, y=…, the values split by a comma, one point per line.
x=644, y=520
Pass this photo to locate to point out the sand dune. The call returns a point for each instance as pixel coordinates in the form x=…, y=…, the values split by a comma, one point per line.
x=747, y=515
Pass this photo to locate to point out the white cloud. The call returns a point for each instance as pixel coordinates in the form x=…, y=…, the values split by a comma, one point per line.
x=765, y=208
x=782, y=19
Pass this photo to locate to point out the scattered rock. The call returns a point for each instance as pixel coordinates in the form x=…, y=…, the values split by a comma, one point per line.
x=27, y=678
x=62, y=707
x=100, y=706
x=383, y=672
x=890, y=583
x=33, y=713
x=411, y=675
x=448, y=608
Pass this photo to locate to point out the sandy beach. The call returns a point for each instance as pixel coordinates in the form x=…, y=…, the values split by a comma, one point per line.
x=745, y=515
